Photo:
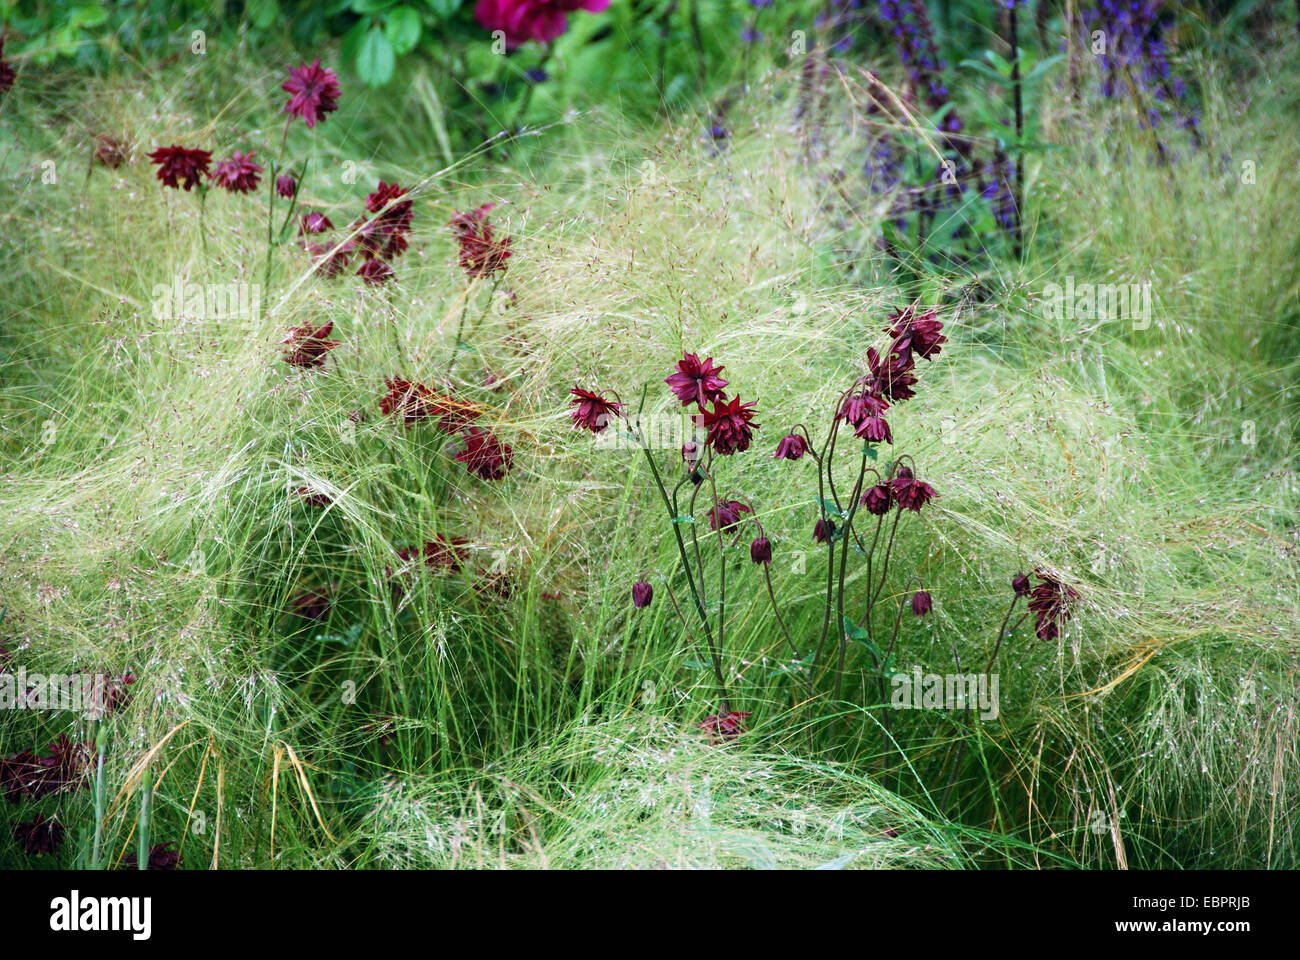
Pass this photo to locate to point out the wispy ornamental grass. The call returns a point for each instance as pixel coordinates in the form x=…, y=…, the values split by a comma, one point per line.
x=316, y=686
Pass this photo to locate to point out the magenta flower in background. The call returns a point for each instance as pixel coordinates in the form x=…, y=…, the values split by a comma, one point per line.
x=760, y=551
x=238, y=174
x=313, y=92
x=524, y=20
x=176, y=163
x=792, y=447
x=40, y=836
x=697, y=381
x=375, y=272
x=286, y=187
x=730, y=427
x=592, y=411
x=642, y=593
x=726, y=514
x=485, y=456
x=921, y=603
x=307, y=347
x=726, y=726
x=7, y=74
x=480, y=254
x=314, y=223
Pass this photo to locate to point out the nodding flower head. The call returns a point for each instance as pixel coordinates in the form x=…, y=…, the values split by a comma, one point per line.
x=823, y=530
x=591, y=411
x=730, y=427
x=726, y=514
x=480, y=254
x=286, y=187
x=642, y=593
x=39, y=836
x=911, y=493
x=1050, y=604
x=485, y=456
x=891, y=377
x=1020, y=585
x=725, y=726
x=792, y=447
x=237, y=174
x=697, y=381
x=921, y=603
x=760, y=551
x=916, y=334
x=878, y=499
x=306, y=347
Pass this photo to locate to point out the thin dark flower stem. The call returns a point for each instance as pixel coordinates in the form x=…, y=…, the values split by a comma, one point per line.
x=293, y=202
x=1001, y=633
x=270, y=225
x=844, y=560
x=460, y=328
x=722, y=561
x=889, y=549
x=695, y=541
x=767, y=576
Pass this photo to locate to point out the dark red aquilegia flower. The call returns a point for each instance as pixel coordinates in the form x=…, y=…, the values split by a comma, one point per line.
x=40, y=836
x=1020, y=585
x=306, y=347
x=286, y=186
x=385, y=235
x=760, y=551
x=479, y=253
x=485, y=456
x=911, y=493
x=375, y=272
x=916, y=334
x=878, y=500
x=591, y=411
x=730, y=427
x=792, y=447
x=161, y=857
x=726, y=514
x=110, y=152
x=176, y=163
x=238, y=174
x=314, y=223
x=697, y=381
x=726, y=726
x=440, y=552
x=313, y=92
x=1050, y=603
x=921, y=603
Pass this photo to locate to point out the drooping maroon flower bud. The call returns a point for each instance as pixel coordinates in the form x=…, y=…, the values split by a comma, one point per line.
x=314, y=223
x=305, y=347
x=176, y=163
x=823, y=530
x=697, y=381
x=161, y=857
x=414, y=401
x=642, y=593
x=921, y=603
x=792, y=447
x=1050, y=603
x=238, y=174
x=916, y=334
x=313, y=92
x=479, y=253
x=485, y=456
x=760, y=551
x=877, y=500
x=592, y=411
x=286, y=186
x=910, y=493
x=691, y=453
x=874, y=429
x=375, y=272
x=729, y=426
x=39, y=836
x=726, y=514
x=724, y=727
x=1020, y=585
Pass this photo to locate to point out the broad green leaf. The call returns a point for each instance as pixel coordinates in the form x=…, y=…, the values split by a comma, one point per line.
x=263, y=13
x=375, y=58
x=402, y=27
x=444, y=8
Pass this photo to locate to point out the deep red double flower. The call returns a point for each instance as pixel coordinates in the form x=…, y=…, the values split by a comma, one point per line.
x=237, y=174
x=306, y=347
x=697, y=381
x=911, y=493
x=39, y=836
x=385, y=236
x=725, y=726
x=177, y=163
x=1050, y=604
x=313, y=92
x=915, y=334
x=726, y=514
x=792, y=447
x=730, y=426
x=480, y=254
x=591, y=411
x=485, y=456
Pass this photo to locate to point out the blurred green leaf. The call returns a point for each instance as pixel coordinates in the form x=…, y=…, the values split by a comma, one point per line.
x=402, y=27
x=375, y=58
